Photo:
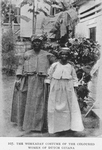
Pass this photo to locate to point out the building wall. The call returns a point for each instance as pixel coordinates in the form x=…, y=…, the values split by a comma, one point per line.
x=90, y=15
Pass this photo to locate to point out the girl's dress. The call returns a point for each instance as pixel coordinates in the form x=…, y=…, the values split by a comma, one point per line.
x=63, y=108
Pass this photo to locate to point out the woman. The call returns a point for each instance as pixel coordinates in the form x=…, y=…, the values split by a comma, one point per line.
x=28, y=107
x=63, y=109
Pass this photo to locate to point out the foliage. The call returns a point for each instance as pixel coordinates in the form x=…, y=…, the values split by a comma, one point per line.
x=9, y=59
x=8, y=12
x=85, y=52
x=65, y=18
x=7, y=8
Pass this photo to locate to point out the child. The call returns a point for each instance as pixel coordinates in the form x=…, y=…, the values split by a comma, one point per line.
x=63, y=109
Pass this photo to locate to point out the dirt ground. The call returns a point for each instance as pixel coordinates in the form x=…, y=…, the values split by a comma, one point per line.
x=92, y=124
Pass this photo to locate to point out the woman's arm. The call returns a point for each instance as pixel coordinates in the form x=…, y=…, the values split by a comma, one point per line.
x=50, y=72
x=19, y=71
x=74, y=76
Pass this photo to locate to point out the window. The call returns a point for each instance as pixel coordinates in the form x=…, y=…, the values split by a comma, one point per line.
x=92, y=32
x=13, y=16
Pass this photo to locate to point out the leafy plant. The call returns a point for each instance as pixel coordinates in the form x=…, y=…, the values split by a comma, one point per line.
x=8, y=12
x=9, y=60
x=85, y=52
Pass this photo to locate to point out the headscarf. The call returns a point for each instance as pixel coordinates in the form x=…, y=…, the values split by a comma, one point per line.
x=64, y=49
x=36, y=37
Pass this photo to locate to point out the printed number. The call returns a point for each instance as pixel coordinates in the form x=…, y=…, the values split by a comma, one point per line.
x=10, y=143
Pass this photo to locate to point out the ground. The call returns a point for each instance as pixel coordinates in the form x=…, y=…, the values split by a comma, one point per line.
x=92, y=123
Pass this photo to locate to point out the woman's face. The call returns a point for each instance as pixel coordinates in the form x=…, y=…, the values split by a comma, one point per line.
x=36, y=44
x=64, y=56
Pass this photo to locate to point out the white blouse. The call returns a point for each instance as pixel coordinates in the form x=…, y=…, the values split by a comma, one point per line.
x=59, y=71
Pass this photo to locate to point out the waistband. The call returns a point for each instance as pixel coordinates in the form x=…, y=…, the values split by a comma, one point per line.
x=34, y=73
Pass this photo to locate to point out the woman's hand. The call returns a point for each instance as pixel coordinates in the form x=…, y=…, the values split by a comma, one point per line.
x=17, y=83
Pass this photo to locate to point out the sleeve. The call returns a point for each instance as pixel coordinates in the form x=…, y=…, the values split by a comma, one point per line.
x=74, y=76
x=50, y=72
x=52, y=58
x=19, y=71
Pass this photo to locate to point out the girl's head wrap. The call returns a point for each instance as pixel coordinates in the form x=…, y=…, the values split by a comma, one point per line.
x=64, y=50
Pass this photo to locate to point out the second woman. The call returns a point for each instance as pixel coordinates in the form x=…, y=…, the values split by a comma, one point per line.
x=63, y=108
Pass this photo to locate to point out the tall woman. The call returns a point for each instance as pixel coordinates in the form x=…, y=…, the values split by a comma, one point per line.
x=29, y=106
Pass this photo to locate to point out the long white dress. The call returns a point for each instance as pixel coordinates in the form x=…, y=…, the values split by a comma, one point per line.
x=63, y=108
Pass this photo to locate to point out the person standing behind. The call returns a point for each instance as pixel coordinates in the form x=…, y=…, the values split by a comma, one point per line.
x=63, y=108
x=28, y=108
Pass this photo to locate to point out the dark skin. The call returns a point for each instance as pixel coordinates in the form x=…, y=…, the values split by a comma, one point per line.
x=36, y=44
x=64, y=58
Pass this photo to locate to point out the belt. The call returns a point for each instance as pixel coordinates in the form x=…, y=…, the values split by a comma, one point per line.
x=34, y=73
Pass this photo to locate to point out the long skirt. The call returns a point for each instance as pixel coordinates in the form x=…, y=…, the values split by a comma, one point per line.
x=63, y=108
x=29, y=104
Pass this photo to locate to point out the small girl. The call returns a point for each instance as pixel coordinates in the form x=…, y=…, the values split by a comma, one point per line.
x=63, y=108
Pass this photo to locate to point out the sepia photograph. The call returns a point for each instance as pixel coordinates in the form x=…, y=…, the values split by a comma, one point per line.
x=51, y=71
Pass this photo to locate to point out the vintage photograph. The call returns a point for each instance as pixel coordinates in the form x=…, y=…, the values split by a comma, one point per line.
x=51, y=68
